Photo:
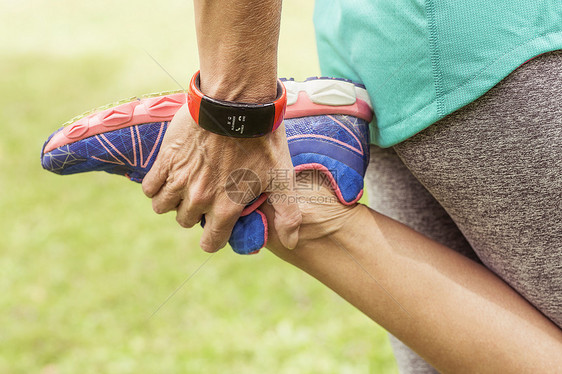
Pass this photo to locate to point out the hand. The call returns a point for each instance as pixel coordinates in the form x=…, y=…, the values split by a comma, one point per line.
x=193, y=169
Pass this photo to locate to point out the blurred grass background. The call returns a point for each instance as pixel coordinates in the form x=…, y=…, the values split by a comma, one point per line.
x=84, y=260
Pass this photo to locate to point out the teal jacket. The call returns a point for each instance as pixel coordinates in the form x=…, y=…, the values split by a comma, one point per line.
x=423, y=59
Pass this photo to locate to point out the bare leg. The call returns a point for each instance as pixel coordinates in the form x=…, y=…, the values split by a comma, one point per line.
x=452, y=311
x=396, y=193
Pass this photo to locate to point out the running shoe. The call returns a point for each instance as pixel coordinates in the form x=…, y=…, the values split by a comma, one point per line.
x=326, y=122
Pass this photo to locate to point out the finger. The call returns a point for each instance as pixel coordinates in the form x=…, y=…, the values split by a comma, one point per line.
x=288, y=217
x=167, y=199
x=154, y=179
x=187, y=215
x=218, y=227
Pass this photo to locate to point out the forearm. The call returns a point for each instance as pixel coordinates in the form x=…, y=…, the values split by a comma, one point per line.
x=449, y=309
x=237, y=41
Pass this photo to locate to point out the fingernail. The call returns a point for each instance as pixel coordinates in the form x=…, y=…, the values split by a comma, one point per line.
x=207, y=247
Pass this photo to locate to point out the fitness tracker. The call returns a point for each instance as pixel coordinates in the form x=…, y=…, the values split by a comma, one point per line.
x=234, y=119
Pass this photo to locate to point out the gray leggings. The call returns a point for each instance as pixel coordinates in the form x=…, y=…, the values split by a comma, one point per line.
x=487, y=182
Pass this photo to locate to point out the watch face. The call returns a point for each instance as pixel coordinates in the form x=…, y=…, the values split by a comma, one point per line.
x=236, y=119
x=240, y=120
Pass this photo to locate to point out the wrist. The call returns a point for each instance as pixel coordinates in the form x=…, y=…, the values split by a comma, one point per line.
x=237, y=119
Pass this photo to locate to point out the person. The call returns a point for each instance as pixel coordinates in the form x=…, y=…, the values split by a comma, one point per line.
x=485, y=156
x=448, y=308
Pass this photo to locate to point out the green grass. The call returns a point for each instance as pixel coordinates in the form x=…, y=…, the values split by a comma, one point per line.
x=85, y=262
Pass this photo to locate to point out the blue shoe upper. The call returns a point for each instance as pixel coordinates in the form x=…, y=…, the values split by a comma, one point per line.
x=339, y=143
x=129, y=151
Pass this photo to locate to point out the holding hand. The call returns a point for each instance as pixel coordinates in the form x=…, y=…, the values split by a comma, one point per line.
x=193, y=168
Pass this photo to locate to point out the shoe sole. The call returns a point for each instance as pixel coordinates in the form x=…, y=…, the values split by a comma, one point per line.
x=316, y=96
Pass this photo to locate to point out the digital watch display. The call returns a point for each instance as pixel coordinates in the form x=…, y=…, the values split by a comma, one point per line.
x=235, y=119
